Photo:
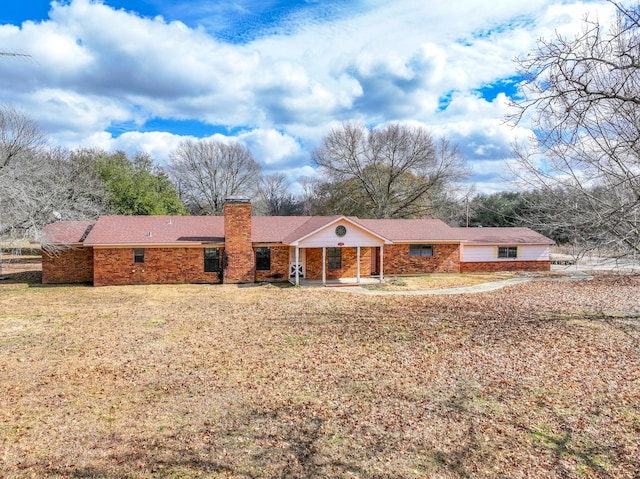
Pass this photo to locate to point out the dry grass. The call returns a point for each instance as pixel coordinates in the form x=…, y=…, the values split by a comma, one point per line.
x=536, y=380
x=436, y=281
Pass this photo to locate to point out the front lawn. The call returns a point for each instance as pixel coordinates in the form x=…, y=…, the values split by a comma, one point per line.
x=537, y=380
x=438, y=281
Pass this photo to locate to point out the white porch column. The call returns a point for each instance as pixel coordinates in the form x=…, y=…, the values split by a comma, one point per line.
x=297, y=266
x=358, y=261
x=381, y=263
x=324, y=266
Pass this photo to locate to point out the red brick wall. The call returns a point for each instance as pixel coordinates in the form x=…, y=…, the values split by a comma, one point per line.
x=68, y=266
x=313, y=265
x=279, y=265
x=445, y=259
x=161, y=265
x=493, y=266
x=237, y=231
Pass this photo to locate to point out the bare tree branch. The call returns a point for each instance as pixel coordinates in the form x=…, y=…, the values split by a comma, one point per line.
x=390, y=172
x=583, y=95
x=207, y=172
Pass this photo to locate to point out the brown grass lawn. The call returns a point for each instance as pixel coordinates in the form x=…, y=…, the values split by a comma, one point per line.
x=436, y=281
x=537, y=380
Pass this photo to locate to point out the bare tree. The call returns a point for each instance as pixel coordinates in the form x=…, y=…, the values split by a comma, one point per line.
x=206, y=172
x=39, y=185
x=583, y=94
x=49, y=186
x=274, y=197
x=394, y=171
x=20, y=136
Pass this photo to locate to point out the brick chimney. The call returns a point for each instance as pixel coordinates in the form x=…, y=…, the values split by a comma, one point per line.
x=238, y=249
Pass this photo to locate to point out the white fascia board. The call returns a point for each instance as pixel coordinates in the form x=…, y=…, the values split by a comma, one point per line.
x=337, y=220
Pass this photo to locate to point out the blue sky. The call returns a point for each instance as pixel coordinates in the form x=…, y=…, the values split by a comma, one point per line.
x=143, y=75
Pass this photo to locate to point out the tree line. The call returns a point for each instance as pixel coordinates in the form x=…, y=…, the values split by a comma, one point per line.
x=396, y=171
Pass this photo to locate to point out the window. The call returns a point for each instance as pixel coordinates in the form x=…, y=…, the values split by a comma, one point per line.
x=263, y=258
x=335, y=258
x=421, y=250
x=211, y=260
x=138, y=255
x=507, y=251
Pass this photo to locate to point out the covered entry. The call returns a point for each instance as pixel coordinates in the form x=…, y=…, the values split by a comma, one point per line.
x=339, y=248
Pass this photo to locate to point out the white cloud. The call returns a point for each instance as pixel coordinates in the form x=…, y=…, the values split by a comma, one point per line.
x=95, y=67
x=272, y=149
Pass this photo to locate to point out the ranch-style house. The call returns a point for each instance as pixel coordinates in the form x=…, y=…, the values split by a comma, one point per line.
x=241, y=248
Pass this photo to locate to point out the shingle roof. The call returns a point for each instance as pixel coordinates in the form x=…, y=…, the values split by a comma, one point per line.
x=411, y=230
x=155, y=230
x=158, y=230
x=501, y=236
x=275, y=229
x=66, y=232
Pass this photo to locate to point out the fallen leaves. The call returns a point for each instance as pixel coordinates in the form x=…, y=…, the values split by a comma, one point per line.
x=540, y=379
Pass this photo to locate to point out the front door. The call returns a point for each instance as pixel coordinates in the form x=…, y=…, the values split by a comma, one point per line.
x=375, y=261
x=292, y=263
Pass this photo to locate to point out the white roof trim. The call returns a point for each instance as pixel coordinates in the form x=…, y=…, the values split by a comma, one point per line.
x=336, y=220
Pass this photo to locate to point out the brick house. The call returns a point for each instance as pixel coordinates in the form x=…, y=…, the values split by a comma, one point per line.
x=240, y=248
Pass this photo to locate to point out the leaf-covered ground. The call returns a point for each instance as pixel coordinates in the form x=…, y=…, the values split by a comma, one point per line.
x=436, y=281
x=537, y=380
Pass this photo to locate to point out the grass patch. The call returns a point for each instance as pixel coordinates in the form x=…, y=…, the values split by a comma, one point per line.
x=223, y=381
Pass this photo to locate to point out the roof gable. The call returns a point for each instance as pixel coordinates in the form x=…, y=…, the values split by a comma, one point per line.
x=317, y=226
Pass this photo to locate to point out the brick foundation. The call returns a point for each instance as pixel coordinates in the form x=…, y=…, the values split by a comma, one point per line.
x=161, y=266
x=279, y=265
x=73, y=265
x=495, y=266
x=445, y=259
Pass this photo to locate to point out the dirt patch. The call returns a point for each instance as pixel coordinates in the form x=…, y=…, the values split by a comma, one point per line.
x=539, y=379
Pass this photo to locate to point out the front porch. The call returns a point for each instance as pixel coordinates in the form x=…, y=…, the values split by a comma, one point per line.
x=335, y=252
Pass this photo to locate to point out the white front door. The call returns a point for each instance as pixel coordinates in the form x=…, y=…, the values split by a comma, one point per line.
x=292, y=263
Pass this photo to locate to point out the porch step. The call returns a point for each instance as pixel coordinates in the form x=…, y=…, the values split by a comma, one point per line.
x=342, y=285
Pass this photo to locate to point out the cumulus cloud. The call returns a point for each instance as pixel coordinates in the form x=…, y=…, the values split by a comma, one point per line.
x=286, y=82
x=274, y=150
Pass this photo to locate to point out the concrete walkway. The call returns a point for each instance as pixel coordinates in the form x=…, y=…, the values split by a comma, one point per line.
x=476, y=288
